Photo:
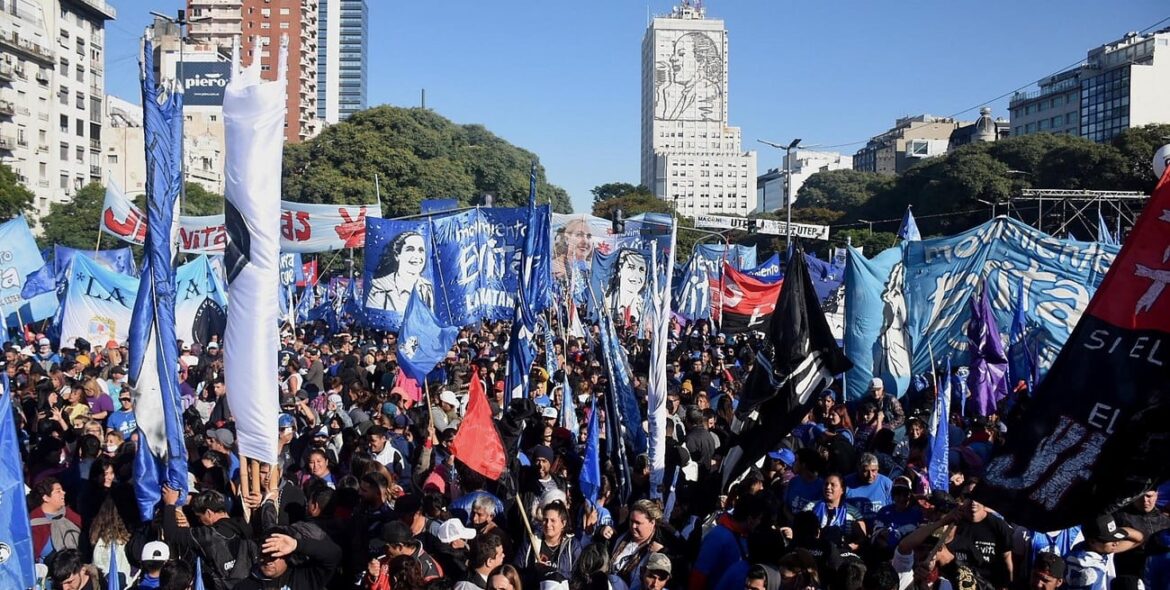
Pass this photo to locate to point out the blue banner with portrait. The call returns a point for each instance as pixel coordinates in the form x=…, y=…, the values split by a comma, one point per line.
x=914, y=299
x=398, y=261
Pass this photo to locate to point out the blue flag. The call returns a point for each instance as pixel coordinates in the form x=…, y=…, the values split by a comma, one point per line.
x=113, y=579
x=939, y=470
x=1103, y=234
x=1021, y=363
x=422, y=342
x=909, y=229
x=591, y=465
x=44, y=280
x=198, y=575
x=521, y=355
x=692, y=294
x=16, y=570
x=161, y=457
x=622, y=388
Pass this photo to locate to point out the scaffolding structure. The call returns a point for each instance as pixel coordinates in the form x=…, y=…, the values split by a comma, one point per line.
x=1077, y=213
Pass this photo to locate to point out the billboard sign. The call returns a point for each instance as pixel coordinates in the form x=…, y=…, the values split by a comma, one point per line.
x=204, y=82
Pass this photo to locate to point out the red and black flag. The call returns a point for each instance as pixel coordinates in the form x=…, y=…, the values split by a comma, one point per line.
x=798, y=360
x=1097, y=433
x=745, y=303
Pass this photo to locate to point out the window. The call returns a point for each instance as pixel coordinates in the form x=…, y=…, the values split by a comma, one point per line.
x=64, y=152
x=284, y=12
x=79, y=99
x=80, y=73
x=64, y=123
x=112, y=158
x=284, y=25
x=80, y=128
x=63, y=67
x=65, y=182
x=80, y=153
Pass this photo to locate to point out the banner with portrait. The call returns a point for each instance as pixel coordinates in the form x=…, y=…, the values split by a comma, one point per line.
x=119, y=260
x=619, y=284
x=913, y=299
x=397, y=261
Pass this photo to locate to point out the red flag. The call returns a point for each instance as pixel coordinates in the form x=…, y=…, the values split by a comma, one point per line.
x=410, y=388
x=477, y=443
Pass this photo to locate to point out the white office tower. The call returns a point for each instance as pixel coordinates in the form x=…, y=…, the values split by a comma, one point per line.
x=690, y=156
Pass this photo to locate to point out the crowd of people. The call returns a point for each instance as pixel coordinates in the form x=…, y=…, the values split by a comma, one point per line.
x=368, y=494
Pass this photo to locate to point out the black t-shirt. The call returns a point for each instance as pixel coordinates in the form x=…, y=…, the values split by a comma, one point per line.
x=981, y=545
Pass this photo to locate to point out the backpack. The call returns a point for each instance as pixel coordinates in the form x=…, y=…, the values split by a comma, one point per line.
x=227, y=560
x=63, y=534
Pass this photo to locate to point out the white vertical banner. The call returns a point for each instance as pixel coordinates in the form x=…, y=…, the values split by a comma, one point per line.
x=254, y=112
x=659, y=341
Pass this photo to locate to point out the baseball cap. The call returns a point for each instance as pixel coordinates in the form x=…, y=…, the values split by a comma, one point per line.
x=213, y=345
x=223, y=435
x=43, y=342
x=452, y=530
x=448, y=397
x=657, y=562
x=335, y=399
x=389, y=409
x=1103, y=528
x=876, y=383
x=323, y=431
x=286, y=421
x=1051, y=563
x=156, y=551
x=549, y=412
x=783, y=455
x=185, y=347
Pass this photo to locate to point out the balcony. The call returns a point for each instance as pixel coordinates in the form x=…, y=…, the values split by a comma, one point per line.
x=7, y=109
x=28, y=48
x=100, y=7
x=7, y=143
x=95, y=170
x=95, y=145
x=6, y=72
x=42, y=77
x=43, y=183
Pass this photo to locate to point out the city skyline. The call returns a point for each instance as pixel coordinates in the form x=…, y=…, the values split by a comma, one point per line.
x=565, y=82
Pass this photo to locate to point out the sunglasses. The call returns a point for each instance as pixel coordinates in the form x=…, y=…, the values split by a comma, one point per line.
x=124, y=399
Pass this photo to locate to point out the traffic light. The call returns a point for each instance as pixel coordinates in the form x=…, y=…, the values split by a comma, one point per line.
x=619, y=222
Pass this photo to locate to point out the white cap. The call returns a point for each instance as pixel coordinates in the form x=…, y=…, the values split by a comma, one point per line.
x=877, y=383
x=549, y=412
x=156, y=551
x=452, y=529
x=335, y=399
x=448, y=397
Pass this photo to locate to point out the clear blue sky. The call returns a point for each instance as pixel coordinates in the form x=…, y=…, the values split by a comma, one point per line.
x=563, y=78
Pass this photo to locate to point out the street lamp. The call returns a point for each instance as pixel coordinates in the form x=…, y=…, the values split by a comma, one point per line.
x=787, y=182
x=180, y=19
x=870, y=223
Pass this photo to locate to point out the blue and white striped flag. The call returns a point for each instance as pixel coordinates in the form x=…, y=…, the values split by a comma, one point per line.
x=161, y=457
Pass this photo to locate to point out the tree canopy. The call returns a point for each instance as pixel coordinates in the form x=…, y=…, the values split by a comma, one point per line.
x=14, y=198
x=415, y=154
x=75, y=223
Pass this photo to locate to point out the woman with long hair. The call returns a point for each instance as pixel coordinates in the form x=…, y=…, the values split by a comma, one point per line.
x=108, y=531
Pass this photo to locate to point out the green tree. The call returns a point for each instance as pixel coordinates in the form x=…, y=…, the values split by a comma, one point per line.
x=841, y=190
x=75, y=223
x=14, y=198
x=1137, y=146
x=816, y=215
x=415, y=154
x=609, y=190
x=200, y=201
x=632, y=203
x=871, y=242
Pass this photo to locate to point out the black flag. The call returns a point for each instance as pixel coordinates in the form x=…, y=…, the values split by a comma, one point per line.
x=1097, y=433
x=798, y=361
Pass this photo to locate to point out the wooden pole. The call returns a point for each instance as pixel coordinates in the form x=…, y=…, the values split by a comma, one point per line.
x=244, y=488
x=533, y=542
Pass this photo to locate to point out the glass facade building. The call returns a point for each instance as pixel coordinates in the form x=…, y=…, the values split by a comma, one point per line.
x=341, y=59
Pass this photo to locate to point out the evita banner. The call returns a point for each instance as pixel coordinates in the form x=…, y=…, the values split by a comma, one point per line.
x=465, y=266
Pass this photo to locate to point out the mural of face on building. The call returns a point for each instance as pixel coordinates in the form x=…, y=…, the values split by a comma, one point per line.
x=689, y=82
